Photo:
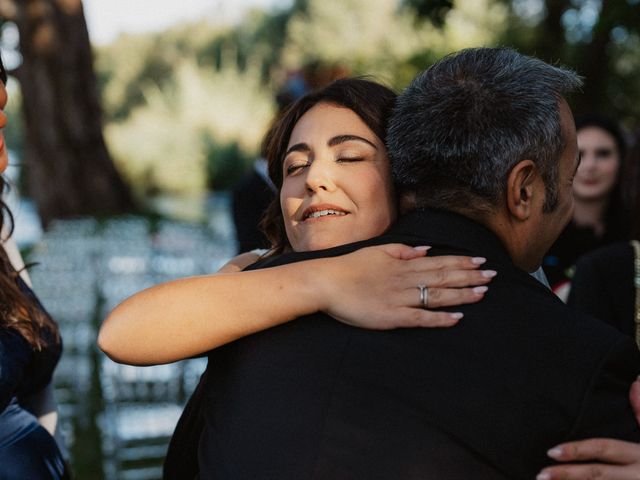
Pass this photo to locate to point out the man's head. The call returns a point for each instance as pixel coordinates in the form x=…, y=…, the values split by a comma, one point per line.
x=480, y=128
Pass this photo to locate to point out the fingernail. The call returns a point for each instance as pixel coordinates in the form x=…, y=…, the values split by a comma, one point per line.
x=478, y=260
x=489, y=273
x=543, y=476
x=422, y=248
x=555, y=452
x=456, y=316
x=480, y=289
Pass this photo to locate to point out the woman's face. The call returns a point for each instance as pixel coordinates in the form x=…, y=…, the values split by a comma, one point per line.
x=4, y=156
x=336, y=181
x=599, y=164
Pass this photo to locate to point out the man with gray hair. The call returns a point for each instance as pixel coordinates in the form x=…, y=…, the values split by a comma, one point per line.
x=483, y=150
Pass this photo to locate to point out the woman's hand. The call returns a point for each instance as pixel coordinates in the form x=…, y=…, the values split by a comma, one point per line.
x=607, y=459
x=377, y=287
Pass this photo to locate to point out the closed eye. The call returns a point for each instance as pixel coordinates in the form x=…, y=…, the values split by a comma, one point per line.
x=349, y=159
x=296, y=167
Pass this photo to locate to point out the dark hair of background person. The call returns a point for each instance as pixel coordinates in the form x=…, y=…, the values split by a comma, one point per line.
x=371, y=101
x=500, y=107
x=630, y=184
x=17, y=310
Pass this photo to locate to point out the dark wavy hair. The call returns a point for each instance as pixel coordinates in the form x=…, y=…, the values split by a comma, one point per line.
x=19, y=311
x=371, y=101
x=631, y=184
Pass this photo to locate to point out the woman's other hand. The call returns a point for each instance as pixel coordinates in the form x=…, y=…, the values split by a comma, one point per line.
x=377, y=287
x=603, y=458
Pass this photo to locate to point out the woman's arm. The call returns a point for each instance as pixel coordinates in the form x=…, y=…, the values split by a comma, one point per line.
x=374, y=287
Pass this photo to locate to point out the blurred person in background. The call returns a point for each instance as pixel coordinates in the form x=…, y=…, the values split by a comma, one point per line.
x=606, y=285
x=30, y=347
x=600, y=216
x=607, y=281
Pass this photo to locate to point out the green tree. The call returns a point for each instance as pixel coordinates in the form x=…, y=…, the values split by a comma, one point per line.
x=598, y=38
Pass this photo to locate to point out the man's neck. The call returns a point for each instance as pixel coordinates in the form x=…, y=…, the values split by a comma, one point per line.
x=516, y=238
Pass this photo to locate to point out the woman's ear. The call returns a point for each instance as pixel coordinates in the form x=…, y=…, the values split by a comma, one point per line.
x=524, y=186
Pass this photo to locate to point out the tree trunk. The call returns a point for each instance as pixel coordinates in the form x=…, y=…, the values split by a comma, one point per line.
x=595, y=63
x=69, y=169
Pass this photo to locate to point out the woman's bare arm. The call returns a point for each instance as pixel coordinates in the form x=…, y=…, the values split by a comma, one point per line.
x=375, y=287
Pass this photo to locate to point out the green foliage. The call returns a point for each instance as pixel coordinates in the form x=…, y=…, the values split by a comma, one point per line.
x=135, y=63
x=225, y=164
x=14, y=131
x=173, y=141
x=389, y=42
x=186, y=109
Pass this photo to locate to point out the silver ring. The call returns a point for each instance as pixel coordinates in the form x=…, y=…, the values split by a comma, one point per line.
x=424, y=295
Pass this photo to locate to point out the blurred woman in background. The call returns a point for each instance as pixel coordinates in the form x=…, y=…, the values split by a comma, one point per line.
x=30, y=348
x=606, y=285
x=607, y=281
x=600, y=216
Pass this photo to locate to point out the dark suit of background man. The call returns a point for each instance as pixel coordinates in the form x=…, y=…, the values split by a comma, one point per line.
x=483, y=145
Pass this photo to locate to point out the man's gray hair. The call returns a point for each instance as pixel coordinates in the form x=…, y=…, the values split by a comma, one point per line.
x=464, y=123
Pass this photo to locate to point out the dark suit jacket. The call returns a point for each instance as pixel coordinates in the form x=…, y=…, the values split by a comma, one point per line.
x=316, y=399
x=603, y=286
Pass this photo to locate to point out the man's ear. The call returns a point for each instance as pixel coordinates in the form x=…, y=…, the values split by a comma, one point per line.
x=523, y=185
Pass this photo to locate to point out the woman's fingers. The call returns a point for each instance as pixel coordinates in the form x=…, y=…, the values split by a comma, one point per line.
x=438, y=297
x=449, y=297
x=590, y=471
x=417, y=317
x=452, y=278
x=598, y=449
x=403, y=252
x=620, y=460
x=447, y=262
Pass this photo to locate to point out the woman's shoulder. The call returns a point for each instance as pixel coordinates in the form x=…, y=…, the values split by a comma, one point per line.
x=609, y=256
x=15, y=355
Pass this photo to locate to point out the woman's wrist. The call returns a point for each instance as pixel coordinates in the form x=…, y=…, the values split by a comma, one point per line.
x=315, y=282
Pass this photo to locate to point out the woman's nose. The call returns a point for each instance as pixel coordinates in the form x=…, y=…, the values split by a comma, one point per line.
x=587, y=162
x=319, y=177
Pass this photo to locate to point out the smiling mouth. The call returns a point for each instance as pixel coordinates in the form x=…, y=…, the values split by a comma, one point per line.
x=324, y=213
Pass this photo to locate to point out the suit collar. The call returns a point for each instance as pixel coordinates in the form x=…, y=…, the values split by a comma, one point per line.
x=435, y=228
x=451, y=230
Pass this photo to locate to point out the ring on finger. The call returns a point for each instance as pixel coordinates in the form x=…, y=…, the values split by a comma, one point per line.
x=424, y=296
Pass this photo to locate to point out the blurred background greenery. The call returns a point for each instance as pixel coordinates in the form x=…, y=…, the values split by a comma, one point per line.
x=122, y=126
x=184, y=110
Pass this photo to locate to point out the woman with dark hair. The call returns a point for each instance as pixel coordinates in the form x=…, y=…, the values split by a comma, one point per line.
x=607, y=281
x=600, y=215
x=30, y=348
x=328, y=160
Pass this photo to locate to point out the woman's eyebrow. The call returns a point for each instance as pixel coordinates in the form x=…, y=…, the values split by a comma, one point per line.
x=346, y=138
x=298, y=147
